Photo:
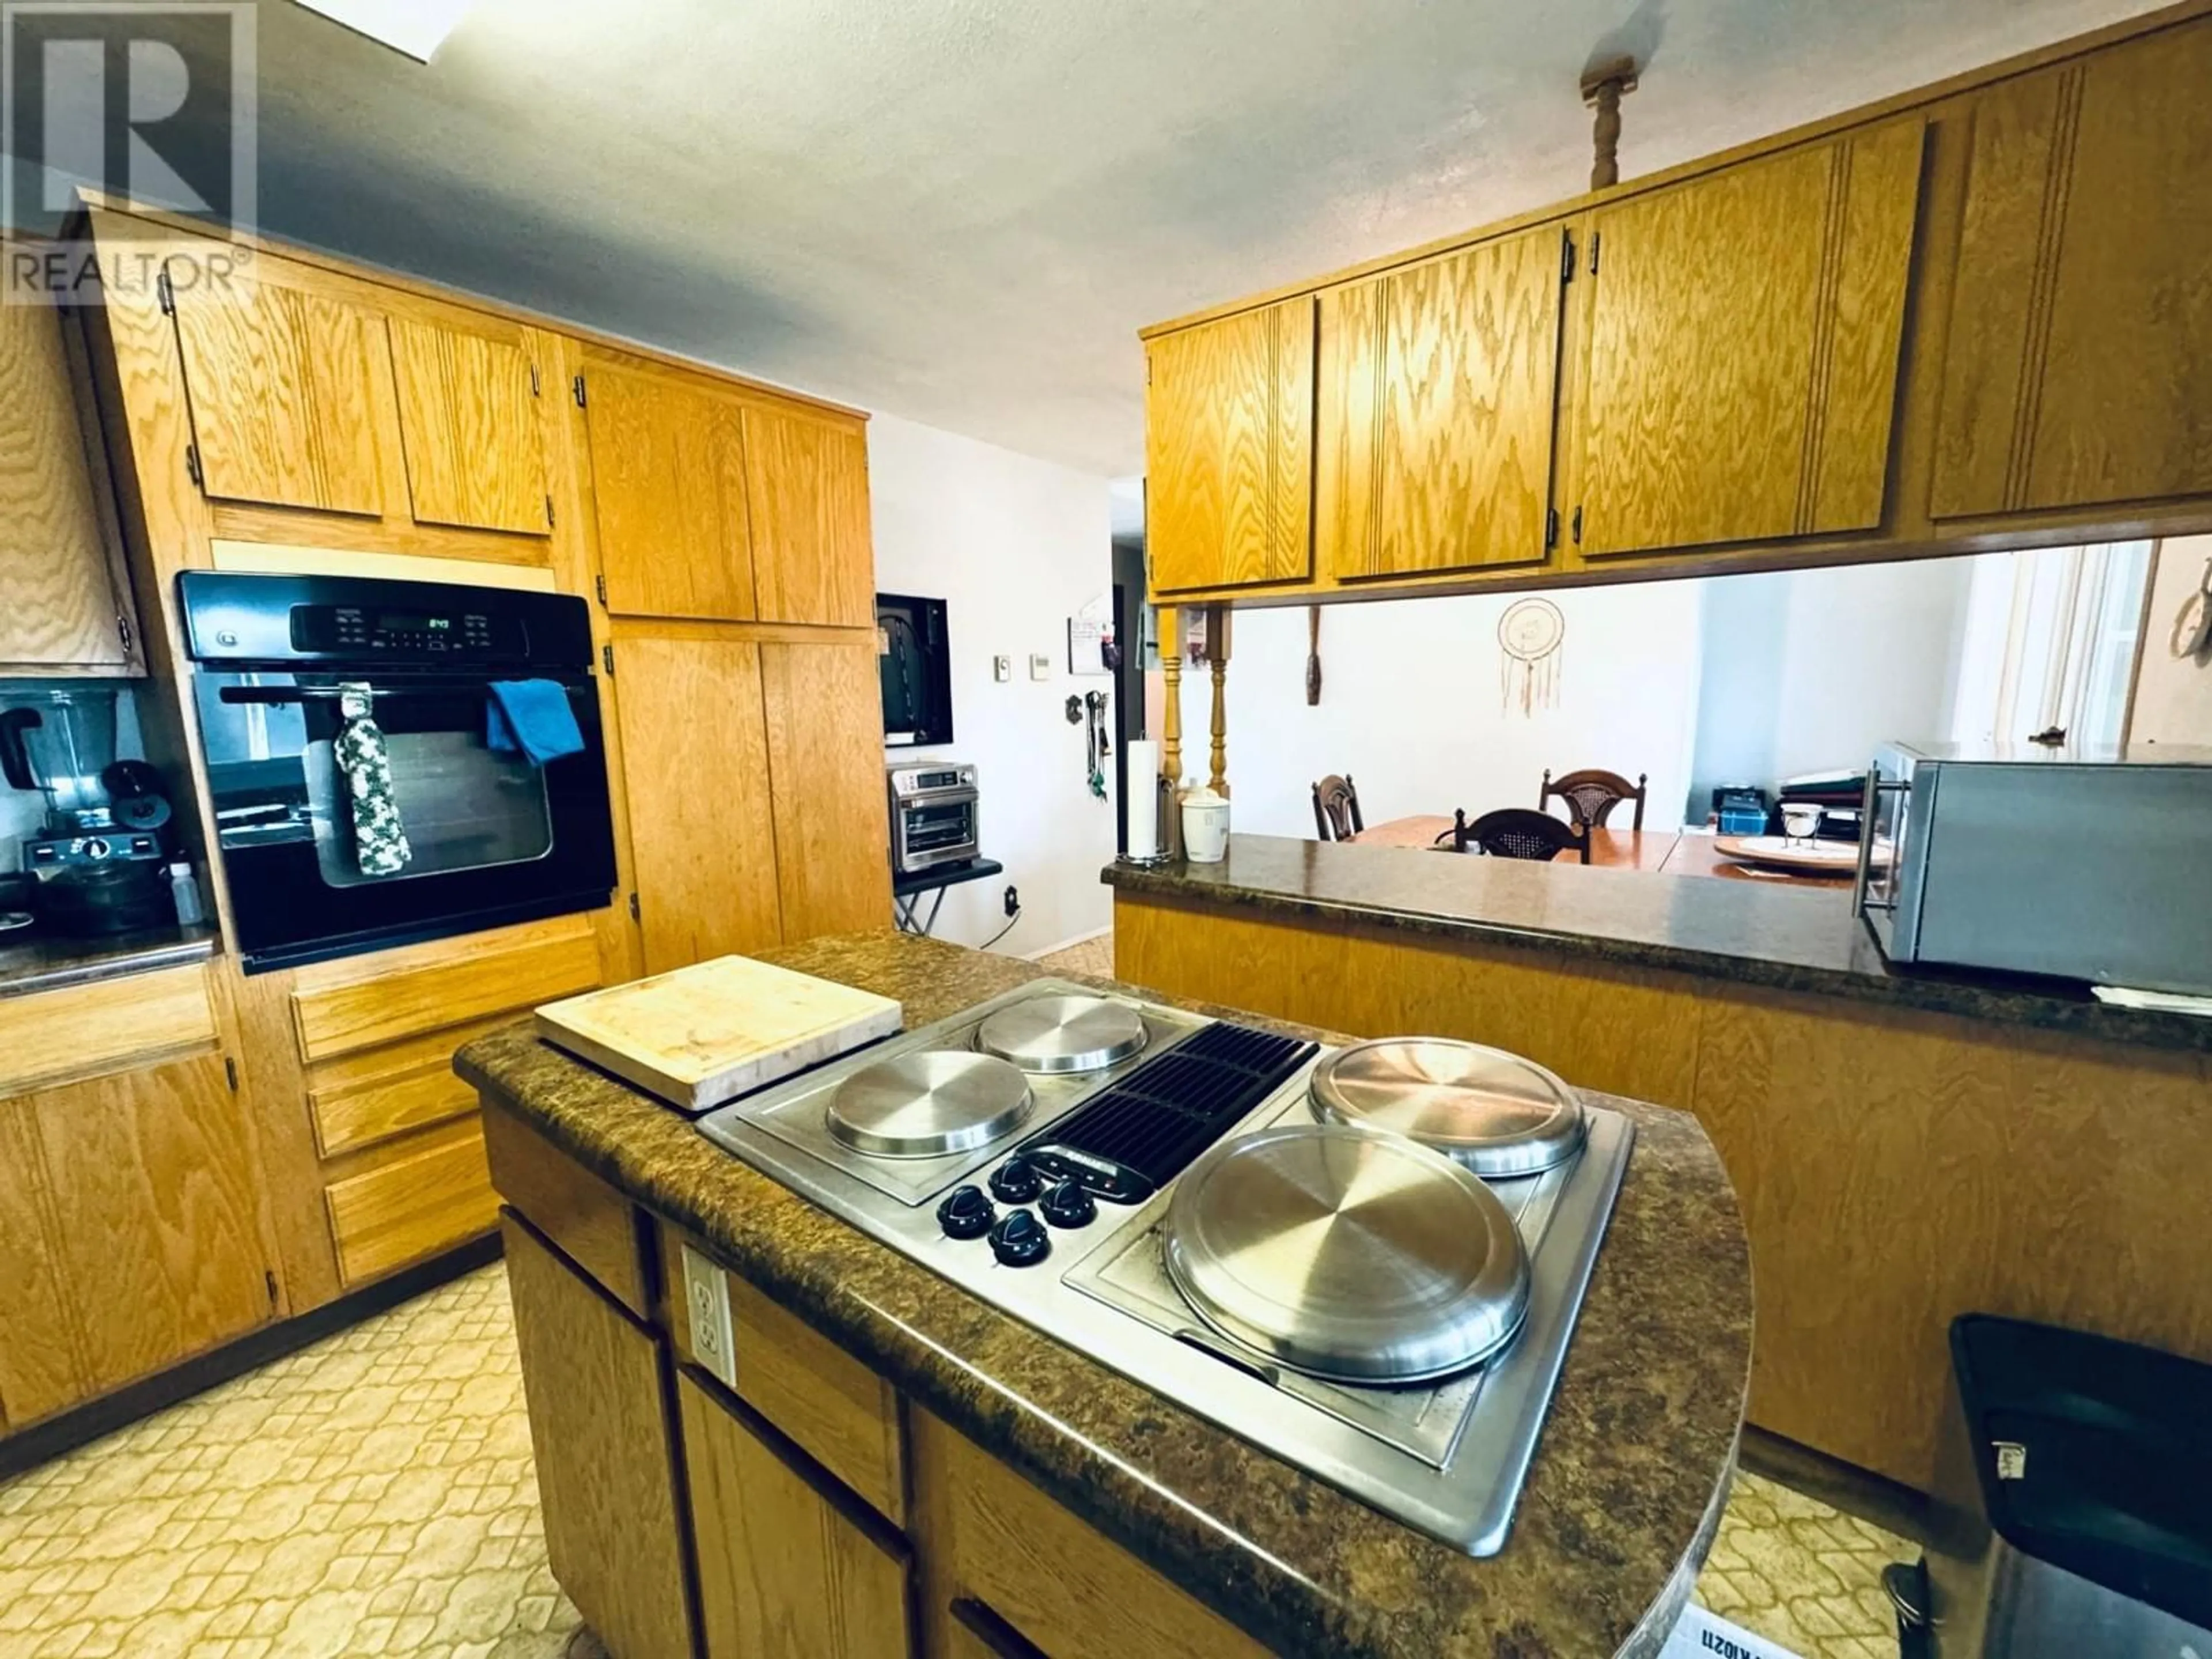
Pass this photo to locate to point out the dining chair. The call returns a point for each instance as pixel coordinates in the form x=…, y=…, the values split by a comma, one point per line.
x=1518, y=832
x=1592, y=794
x=1336, y=809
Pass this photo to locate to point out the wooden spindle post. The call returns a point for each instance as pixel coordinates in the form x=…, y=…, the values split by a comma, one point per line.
x=1217, y=657
x=1172, y=713
x=1603, y=87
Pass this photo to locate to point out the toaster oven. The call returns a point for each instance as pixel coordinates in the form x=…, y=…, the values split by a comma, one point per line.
x=933, y=805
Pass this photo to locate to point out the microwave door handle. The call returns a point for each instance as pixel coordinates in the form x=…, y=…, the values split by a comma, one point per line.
x=1862, y=899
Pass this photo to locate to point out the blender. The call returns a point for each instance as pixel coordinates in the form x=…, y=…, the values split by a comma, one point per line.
x=98, y=860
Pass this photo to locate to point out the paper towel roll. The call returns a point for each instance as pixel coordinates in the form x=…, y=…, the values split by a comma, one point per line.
x=1140, y=811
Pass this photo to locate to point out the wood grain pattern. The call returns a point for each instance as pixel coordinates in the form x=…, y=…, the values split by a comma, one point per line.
x=572, y=1209
x=156, y=1239
x=470, y=983
x=668, y=492
x=1729, y=317
x=1895, y=1169
x=1229, y=444
x=42, y=1368
x=468, y=425
x=1439, y=384
x=82, y=1030
x=58, y=597
x=696, y=772
x=781, y=1569
x=596, y=1383
x=990, y=1534
x=282, y=383
x=435, y=1193
x=824, y=706
x=373, y=1095
x=806, y=483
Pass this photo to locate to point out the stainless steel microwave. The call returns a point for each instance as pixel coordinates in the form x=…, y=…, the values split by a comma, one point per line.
x=2085, y=865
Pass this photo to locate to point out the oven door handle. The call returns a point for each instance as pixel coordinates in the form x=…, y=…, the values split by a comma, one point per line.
x=281, y=695
x=1863, y=900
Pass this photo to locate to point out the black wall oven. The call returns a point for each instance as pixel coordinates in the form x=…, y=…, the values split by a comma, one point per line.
x=493, y=838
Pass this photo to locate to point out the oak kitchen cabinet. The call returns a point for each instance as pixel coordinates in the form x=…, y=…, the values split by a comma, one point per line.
x=1740, y=369
x=65, y=604
x=1438, y=400
x=132, y=1228
x=1229, y=450
x=2080, y=365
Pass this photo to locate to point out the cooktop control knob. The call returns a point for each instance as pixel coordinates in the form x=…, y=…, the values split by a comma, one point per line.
x=967, y=1213
x=1020, y=1240
x=1070, y=1205
x=1016, y=1180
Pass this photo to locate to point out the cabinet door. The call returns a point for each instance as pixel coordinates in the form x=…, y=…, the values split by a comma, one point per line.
x=1741, y=368
x=156, y=1242
x=782, y=1569
x=806, y=480
x=467, y=421
x=1229, y=450
x=284, y=386
x=668, y=485
x=825, y=763
x=1439, y=386
x=2078, y=370
x=595, y=1382
x=40, y=1369
x=696, y=772
x=59, y=603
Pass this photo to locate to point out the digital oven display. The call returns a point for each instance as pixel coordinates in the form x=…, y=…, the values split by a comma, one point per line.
x=412, y=621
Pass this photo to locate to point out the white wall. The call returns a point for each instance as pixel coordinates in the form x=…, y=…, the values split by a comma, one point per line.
x=1412, y=706
x=1014, y=546
x=1808, y=670
x=2173, y=695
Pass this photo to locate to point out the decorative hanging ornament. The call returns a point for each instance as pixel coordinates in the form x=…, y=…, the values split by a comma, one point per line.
x=1529, y=635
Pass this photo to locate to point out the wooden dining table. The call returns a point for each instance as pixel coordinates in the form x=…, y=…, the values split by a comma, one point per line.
x=1668, y=852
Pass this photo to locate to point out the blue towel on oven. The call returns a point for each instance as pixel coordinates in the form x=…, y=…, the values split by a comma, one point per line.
x=532, y=716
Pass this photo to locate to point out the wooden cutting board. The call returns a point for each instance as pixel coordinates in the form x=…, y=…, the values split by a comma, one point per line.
x=706, y=1034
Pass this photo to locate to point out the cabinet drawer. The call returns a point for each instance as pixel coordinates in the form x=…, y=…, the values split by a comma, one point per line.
x=433, y=1196
x=86, y=1030
x=358, y=1100
x=347, y=1017
x=591, y=1224
x=829, y=1405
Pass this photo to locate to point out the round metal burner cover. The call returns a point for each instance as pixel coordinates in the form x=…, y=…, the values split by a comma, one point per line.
x=1063, y=1034
x=1347, y=1253
x=1496, y=1113
x=921, y=1104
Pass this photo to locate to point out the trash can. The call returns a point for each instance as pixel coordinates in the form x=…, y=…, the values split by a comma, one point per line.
x=2072, y=1518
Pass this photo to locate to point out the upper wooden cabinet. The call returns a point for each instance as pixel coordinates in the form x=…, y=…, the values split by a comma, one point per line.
x=64, y=601
x=668, y=485
x=1229, y=450
x=283, y=381
x=468, y=422
x=1438, y=388
x=2079, y=366
x=1741, y=371
x=806, y=482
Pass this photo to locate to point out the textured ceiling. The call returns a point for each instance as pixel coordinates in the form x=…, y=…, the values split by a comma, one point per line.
x=961, y=211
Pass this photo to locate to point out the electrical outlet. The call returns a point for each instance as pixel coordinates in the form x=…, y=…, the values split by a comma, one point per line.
x=1002, y=669
x=1013, y=900
x=707, y=1294
x=1039, y=667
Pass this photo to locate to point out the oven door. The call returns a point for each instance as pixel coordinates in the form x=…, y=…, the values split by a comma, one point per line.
x=936, y=828
x=492, y=838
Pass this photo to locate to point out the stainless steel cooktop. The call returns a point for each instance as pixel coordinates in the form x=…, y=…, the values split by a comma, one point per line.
x=1030, y=1222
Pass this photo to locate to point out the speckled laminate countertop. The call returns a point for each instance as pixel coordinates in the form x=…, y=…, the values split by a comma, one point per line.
x=1786, y=939
x=1628, y=1483
x=44, y=963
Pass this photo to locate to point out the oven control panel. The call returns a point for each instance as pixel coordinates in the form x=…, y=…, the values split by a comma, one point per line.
x=380, y=631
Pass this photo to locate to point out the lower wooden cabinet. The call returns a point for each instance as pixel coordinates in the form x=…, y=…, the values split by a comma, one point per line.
x=784, y=1567
x=596, y=1381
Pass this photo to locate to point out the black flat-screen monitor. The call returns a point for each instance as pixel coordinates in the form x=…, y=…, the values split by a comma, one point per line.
x=915, y=658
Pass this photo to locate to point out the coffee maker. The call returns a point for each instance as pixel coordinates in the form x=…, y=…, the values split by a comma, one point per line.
x=98, y=860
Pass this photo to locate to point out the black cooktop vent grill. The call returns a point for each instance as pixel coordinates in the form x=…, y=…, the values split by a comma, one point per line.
x=1139, y=1132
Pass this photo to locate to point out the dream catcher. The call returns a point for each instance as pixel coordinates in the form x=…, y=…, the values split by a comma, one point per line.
x=1529, y=635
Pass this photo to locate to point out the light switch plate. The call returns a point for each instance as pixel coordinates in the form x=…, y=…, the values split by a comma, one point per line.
x=1040, y=666
x=707, y=1294
x=1002, y=669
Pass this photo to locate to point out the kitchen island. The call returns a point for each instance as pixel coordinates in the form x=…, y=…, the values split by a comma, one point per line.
x=1142, y=1521
x=1908, y=1146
